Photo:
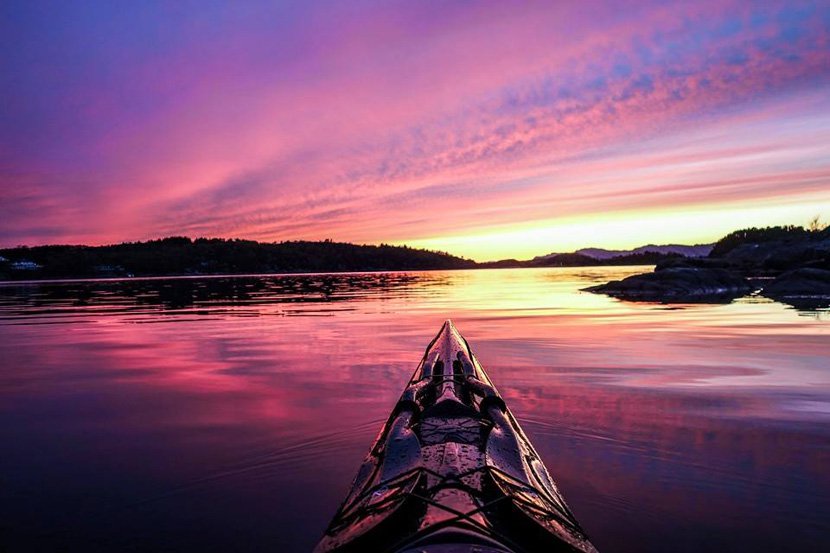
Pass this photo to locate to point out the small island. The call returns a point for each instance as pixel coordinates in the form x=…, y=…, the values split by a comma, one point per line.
x=790, y=264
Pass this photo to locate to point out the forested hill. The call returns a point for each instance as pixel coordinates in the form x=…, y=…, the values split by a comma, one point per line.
x=183, y=256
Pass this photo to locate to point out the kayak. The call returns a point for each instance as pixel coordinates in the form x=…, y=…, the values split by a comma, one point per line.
x=452, y=471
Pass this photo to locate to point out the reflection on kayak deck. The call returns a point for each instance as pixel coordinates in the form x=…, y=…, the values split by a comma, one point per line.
x=451, y=470
x=231, y=416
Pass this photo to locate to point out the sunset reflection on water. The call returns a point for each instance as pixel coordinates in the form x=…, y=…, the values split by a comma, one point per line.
x=231, y=413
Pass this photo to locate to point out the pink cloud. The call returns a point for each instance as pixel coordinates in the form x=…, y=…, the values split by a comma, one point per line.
x=363, y=125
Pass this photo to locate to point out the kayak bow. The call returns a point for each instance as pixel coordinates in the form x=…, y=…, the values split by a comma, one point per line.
x=452, y=472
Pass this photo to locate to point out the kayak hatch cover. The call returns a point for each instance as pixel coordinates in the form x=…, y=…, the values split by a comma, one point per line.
x=451, y=471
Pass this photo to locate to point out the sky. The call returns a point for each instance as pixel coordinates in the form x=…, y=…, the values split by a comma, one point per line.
x=486, y=129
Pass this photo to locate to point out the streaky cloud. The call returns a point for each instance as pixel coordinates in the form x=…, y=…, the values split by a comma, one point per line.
x=373, y=124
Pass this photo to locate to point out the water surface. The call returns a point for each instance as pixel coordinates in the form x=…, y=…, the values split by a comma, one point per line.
x=231, y=413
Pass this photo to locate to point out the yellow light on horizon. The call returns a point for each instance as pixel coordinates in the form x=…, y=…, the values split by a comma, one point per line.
x=621, y=230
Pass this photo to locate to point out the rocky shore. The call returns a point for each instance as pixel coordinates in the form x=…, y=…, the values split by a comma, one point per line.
x=786, y=264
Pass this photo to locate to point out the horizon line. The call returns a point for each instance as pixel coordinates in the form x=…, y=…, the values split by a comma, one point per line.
x=407, y=244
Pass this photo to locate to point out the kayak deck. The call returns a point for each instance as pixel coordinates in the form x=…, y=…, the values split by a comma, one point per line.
x=452, y=471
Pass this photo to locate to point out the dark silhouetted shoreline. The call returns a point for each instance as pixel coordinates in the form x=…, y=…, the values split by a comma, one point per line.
x=177, y=256
x=789, y=264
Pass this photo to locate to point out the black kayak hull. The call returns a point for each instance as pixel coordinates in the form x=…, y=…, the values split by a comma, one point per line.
x=452, y=471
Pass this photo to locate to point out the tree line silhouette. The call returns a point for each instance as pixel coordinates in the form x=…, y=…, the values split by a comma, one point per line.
x=182, y=256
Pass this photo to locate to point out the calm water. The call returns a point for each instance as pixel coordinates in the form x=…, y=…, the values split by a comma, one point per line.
x=230, y=414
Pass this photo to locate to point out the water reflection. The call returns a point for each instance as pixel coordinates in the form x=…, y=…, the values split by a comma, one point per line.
x=31, y=298
x=194, y=414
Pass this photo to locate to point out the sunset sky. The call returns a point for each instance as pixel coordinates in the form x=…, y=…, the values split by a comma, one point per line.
x=487, y=129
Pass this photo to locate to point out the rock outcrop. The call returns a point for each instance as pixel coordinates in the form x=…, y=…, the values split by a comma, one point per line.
x=679, y=284
x=806, y=287
x=790, y=264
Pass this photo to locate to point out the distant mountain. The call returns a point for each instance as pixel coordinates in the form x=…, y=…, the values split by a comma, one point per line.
x=698, y=250
x=580, y=260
